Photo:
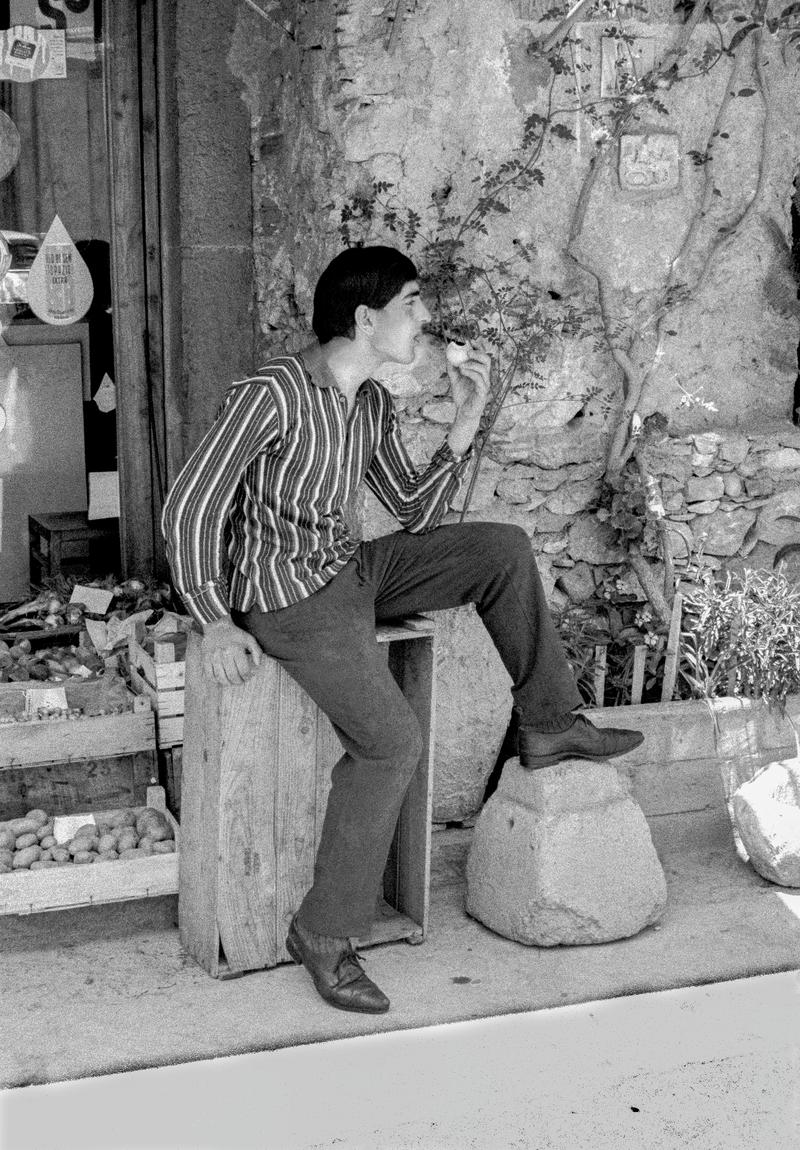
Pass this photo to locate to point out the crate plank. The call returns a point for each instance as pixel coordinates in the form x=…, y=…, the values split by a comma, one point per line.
x=295, y=814
x=245, y=834
x=197, y=875
x=59, y=741
x=89, y=784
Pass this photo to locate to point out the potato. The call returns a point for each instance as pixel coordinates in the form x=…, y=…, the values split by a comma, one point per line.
x=46, y=854
x=127, y=840
x=37, y=816
x=121, y=818
x=23, y=859
x=5, y=868
x=84, y=856
x=47, y=841
x=42, y=864
x=23, y=826
x=24, y=841
x=45, y=831
x=164, y=847
x=151, y=817
x=106, y=843
x=86, y=829
x=7, y=840
x=130, y=853
x=107, y=856
x=60, y=854
x=145, y=845
x=82, y=843
x=6, y=856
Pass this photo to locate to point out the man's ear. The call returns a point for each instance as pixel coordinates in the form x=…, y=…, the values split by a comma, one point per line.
x=362, y=317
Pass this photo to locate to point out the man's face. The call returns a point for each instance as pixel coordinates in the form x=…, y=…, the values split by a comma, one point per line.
x=398, y=325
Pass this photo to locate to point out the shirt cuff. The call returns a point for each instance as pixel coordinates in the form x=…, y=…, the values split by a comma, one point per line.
x=445, y=455
x=206, y=603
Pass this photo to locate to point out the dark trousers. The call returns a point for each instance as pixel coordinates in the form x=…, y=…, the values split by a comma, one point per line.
x=327, y=644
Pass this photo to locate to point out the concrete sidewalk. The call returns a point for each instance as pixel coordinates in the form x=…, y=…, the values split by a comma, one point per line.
x=717, y=1067
x=107, y=989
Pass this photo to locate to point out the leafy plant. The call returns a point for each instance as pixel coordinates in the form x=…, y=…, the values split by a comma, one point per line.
x=741, y=636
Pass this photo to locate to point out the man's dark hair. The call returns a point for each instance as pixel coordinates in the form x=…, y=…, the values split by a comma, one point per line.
x=370, y=275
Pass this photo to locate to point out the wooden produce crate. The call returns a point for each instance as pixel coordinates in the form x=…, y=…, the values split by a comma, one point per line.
x=59, y=888
x=257, y=763
x=86, y=764
x=158, y=672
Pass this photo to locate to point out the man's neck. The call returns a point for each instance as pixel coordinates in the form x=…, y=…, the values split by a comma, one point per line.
x=348, y=364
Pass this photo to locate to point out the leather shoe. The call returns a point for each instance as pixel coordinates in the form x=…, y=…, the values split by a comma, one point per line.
x=335, y=968
x=582, y=740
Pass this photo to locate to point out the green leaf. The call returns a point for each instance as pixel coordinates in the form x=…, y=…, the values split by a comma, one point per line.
x=746, y=92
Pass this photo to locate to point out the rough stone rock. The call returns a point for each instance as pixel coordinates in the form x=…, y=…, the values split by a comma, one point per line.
x=704, y=508
x=766, y=810
x=785, y=459
x=779, y=518
x=552, y=449
x=473, y=707
x=699, y=489
x=593, y=541
x=733, y=485
x=483, y=493
x=723, y=533
x=563, y=856
x=759, y=485
x=578, y=583
x=734, y=447
x=573, y=497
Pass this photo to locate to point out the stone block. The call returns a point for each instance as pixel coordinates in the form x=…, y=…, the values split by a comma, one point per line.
x=473, y=707
x=766, y=810
x=563, y=856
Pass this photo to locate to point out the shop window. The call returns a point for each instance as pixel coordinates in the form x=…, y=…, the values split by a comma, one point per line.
x=57, y=391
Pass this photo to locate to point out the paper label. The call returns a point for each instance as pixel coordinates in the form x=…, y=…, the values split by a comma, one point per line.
x=96, y=600
x=103, y=495
x=65, y=826
x=106, y=395
x=28, y=54
x=45, y=699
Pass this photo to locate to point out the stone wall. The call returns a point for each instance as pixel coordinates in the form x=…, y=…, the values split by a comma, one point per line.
x=341, y=97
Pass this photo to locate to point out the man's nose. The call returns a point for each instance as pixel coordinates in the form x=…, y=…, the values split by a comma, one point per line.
x=424, y=314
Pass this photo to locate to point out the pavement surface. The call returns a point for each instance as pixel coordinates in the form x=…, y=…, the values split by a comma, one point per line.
x=485, y=1035
x=714, y=1067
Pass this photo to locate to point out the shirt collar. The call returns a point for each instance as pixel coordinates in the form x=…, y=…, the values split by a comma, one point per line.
x=316, y=367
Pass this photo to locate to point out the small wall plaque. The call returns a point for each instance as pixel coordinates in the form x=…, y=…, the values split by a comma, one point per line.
x=649, y=162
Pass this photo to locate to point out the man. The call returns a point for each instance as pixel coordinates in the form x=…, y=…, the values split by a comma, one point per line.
x=271, y=484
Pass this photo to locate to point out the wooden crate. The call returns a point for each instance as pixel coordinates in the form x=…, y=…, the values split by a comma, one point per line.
x=89, y=763
x=158, y=672
x=69, y=543
x=29, y=892
x=257, y=761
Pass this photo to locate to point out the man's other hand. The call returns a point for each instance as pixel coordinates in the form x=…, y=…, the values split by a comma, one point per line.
x=230, y=655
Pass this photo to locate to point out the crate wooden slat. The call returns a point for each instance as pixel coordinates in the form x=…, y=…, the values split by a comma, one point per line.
x=257, y=761
x=161, y=680
x=98, y=783
x=59, y=888
x=90, y=762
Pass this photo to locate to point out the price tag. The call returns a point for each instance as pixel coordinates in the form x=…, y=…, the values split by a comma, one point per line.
x=96, y=600
x=45, y=699
x=65, y=826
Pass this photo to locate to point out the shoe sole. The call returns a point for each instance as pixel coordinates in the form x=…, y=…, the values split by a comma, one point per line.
x=536, y=763
x=294, y=954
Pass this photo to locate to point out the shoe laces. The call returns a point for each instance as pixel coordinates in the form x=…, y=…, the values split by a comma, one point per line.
x=349, y=967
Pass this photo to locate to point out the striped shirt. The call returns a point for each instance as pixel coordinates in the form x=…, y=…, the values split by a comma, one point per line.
x=271, y=481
